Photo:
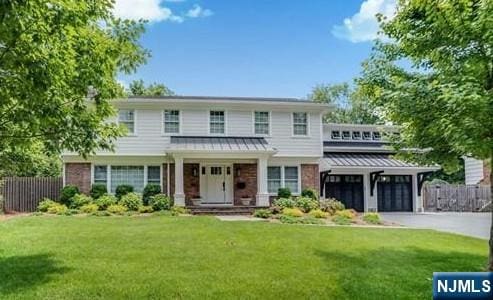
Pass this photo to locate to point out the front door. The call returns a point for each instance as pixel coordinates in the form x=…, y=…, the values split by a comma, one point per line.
x=217, y=184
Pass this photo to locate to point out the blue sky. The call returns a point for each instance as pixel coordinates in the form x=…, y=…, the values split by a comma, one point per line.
x=268, y=48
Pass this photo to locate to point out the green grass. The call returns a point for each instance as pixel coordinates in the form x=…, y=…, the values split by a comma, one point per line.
x=200, y=257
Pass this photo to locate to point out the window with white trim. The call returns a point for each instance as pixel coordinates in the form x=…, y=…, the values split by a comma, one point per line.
x=262, y=122
x=100, y=174
x=283, y=177
x=216, y=122
x=171, y=121
x=131, y=175
x=154, y=174
x=127, y=118
x=300, y=123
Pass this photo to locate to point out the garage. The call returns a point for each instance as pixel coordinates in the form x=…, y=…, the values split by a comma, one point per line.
x=346, y=188
x=394, y=193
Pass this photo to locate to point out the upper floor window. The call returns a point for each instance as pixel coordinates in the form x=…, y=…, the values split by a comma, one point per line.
x=217, y=122
x=171, y=121
x=262, y=122
x=127, y=118
x=300, y=123
x=346, y=135
x=356, y=135
x=336, y=135
x=377, y=136
x=366, y=135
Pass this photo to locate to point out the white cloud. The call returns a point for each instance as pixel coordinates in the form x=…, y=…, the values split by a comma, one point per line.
x=363, y=26
x=197, y=11
x=150, y=10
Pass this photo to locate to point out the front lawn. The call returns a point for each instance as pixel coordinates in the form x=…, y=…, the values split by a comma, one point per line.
x=201, y=257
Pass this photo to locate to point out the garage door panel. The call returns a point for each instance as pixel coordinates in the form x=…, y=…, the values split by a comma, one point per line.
x=395, y=193
x=346, y=188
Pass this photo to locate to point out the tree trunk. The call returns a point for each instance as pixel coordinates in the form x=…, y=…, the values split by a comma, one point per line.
x=490, y=263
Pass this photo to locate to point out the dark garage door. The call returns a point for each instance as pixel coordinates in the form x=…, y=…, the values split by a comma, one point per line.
x=346, y=188
x=395, y=193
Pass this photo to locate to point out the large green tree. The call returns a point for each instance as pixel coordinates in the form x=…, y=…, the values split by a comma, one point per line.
x=435, y=78
x=350, y=105
x=58, y=65
x=138, y=88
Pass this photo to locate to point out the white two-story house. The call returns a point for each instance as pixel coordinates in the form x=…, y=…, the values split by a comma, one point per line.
x=219, y=150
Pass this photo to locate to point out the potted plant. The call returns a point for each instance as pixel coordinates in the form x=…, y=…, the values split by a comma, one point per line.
x=245, y=200
x=196, y=200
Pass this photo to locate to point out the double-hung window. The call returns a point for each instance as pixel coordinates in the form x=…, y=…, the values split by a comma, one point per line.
x=154, y=174
x=171, y=121
x=283, y=177
x=101, y=174
x=300, y=123
x=262, y=122
x=217, y=122
x=127, y=118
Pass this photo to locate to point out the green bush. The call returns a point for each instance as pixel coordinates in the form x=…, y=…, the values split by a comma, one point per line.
x=67, y=193
x=132, y=201
x=117, y=209
x=72, y=211
x=285, y=203
x=179, y=210
x=372, y=218
x=288, y=219
x=101, y=213
x=331, y=205
x=310, y=220
x=89, y=208
x=98, y=190
x=150, y=190
x=45, y=204
x=341, y=220
x=347, y=213
x=122, y=190
x=144, y=209
x=319, y=214
x=283, y=193
x=306, y=204
x=309, y=193
x=79, y=200
x=275, y=210
x=262, y=213
x=160, y=202
x=106, y=200
x=292, y=212
x=57, y=209
x=295, y=220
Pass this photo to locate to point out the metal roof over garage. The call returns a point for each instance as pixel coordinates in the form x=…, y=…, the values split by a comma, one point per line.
x=219, y=144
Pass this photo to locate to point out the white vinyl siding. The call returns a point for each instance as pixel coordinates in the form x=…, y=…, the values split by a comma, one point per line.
x=300, y=123
x=171, y=121
x=217, y=122
x=127, y=118
x=283, y=176
x=261, y=119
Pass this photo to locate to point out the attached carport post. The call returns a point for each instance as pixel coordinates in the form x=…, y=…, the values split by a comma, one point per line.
x=323, y=178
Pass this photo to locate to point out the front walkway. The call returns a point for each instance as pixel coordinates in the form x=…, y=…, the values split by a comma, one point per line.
x=470, y=224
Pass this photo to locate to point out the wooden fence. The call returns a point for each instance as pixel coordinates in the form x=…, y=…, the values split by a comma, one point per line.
x=22, y=194
x=459, y=198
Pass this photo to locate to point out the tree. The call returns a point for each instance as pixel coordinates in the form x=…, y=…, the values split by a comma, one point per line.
x=350, y=105
x=31, y=160
x=58, y=67
x=138, y=88
x=444, y=99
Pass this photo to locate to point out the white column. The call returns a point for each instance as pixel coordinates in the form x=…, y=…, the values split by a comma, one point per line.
x=262, y=192
x=179, y=193
x=418, y=201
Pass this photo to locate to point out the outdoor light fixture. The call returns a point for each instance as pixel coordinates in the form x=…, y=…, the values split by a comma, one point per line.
x=195, y=172
x=238, y=172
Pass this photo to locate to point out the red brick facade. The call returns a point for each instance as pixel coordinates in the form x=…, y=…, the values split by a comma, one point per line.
x=78, y=174
x=191, y=183
x=245, y=185
x=310, y=177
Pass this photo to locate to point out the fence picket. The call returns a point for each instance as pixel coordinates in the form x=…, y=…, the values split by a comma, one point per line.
x=22, y=194
x=461, y=198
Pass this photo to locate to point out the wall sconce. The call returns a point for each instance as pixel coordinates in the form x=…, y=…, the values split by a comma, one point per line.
x=195, y=171
x=238, y=172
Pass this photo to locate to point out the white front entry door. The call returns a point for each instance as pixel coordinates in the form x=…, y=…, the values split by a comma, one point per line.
x=217, y=180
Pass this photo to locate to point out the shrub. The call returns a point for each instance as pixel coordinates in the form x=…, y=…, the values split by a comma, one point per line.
x=262, y=213
x=347, y=213
x=293, y=212
x=122, y=190
x=309, y=193
x=285, y=203
x=288, y=219
x=98, y=190
x=80, y=200
x=283, y=193
x=179, y=210
x=310, y=220
x=306, y=204
x=144, y=209
x=150, y=190
x=160, y=202
x=275, y=210
x=57, y=209
x=45, y=204
x=67, y=193
x=106, y=200
x=72, y=211
x=132, y=201
x=341, y=220
x=318, y=213
x=295, y=220
x=372, y=218
x=89, y=208
x=331, y=205
x=117, y=209
x=101, y=213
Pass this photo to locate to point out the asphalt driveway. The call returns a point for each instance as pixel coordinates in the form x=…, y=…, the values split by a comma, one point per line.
x=471, y=224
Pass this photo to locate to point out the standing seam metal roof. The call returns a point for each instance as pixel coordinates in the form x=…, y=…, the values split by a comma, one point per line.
x=364, y=160
x=219, y=143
